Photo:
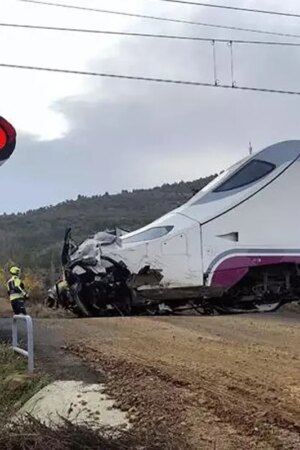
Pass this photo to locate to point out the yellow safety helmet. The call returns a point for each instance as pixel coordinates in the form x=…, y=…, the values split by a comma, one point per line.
x=15, y=270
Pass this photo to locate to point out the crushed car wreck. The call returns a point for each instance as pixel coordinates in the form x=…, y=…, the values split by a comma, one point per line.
x=230, y=249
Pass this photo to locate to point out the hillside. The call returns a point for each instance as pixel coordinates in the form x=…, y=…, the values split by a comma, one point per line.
x=34, y=239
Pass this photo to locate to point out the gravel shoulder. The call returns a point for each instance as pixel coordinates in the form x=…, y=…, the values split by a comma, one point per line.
x=50, y=355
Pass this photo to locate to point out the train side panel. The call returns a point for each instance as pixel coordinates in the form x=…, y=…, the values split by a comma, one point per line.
x=266, y=224
x=177, y=255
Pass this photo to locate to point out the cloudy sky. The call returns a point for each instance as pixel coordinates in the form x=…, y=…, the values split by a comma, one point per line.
x=82, y=135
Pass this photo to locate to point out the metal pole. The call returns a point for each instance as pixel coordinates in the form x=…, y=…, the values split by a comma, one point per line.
x=215, y=63
x=14, y=333
x=233, y=83
x=29, y=353
x=30, y=348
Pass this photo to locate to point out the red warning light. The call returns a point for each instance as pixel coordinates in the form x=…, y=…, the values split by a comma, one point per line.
x=3, y=138
x=7, y=139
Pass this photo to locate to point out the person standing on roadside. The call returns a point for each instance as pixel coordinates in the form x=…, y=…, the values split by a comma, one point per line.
x=16, y=291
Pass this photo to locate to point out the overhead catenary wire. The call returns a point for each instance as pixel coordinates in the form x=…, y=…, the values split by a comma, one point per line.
x=148, y=35
x=234, y=8
x=164, y=19
x=148, y=79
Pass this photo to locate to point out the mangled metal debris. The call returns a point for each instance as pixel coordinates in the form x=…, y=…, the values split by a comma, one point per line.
x=99, y=284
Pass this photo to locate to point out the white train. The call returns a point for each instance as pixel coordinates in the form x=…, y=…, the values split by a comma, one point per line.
x=234, y=247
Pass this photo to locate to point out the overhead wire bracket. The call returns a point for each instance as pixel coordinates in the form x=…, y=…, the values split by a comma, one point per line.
x=233, y=82
x=216, y=80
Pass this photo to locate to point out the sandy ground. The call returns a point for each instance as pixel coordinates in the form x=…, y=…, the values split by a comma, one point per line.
x=219, y=382
x=222, y=383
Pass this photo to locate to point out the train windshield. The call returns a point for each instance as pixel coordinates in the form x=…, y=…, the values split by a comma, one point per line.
x=223, y=175
x=251, y=172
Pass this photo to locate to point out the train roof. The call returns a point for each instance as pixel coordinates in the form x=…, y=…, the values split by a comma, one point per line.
x=249, y=171
x=234, y=185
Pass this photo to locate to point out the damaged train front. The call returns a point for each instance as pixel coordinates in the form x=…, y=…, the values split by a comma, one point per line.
x=97, y=283
x=156, y=268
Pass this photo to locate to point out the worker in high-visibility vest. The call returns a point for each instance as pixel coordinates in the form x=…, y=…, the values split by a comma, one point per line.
x=62, y=291
x=58, y=295
x=16, y=291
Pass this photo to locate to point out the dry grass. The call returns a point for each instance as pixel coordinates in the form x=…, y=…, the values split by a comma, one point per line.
x=292, y=307
x=41, y=311
x=30, y=434
x=36, y=310
x=16, y=385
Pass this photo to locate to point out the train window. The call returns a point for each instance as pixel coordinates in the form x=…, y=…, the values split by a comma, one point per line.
x=148, y=235
x=253, y=171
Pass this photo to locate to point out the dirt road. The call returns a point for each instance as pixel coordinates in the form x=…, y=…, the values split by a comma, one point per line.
x=225, y=383
x=218, y=382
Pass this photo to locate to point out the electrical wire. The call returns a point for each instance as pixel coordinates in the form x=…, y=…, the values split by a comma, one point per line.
x=148, y=35
x=233, y=8
x=164, y=19
x=149, y=79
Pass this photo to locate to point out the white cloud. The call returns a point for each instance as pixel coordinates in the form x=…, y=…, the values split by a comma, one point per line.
x=108, y=135
x=27, y=98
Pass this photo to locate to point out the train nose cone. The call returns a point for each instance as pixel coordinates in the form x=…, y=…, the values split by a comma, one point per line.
x=8, y=137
